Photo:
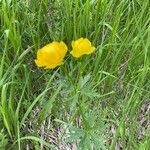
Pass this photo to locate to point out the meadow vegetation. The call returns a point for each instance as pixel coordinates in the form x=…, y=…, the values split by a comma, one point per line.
x=98, y=101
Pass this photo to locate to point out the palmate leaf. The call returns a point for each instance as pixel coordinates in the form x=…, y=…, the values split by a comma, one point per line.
x=91, y=93
x=92, y=134
x=75, y=134
x=97, y=130
x=98, y=142
x=84, y=80
x=85, y=143
x=86, y=87
x=86, y=140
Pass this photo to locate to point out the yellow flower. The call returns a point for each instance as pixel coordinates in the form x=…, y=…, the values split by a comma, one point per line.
x=51, y=55
x=81, y=46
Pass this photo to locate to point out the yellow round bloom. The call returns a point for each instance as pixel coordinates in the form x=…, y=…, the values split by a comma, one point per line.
x=51, y=55
x=81, y=46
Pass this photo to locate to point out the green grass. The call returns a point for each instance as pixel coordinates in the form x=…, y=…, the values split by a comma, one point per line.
x=100, y=101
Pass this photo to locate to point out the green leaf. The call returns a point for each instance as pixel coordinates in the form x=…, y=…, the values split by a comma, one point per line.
x=48, y=106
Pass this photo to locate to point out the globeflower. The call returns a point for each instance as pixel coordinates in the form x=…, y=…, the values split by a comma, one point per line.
x=51, y=55
x=81, y=47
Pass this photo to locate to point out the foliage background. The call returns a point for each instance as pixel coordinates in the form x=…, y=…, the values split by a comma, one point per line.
x=99, y=101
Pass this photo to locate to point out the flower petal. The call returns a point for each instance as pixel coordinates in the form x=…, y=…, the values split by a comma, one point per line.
x=51, y=55
x=81, y=47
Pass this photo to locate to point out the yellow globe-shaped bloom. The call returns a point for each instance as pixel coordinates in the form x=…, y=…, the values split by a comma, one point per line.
x=81, y=47
x=51, y=55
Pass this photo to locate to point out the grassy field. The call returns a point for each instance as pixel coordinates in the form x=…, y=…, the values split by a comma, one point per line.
x=99, y=101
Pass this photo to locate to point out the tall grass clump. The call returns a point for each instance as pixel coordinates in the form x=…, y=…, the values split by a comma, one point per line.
x=97, y=101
